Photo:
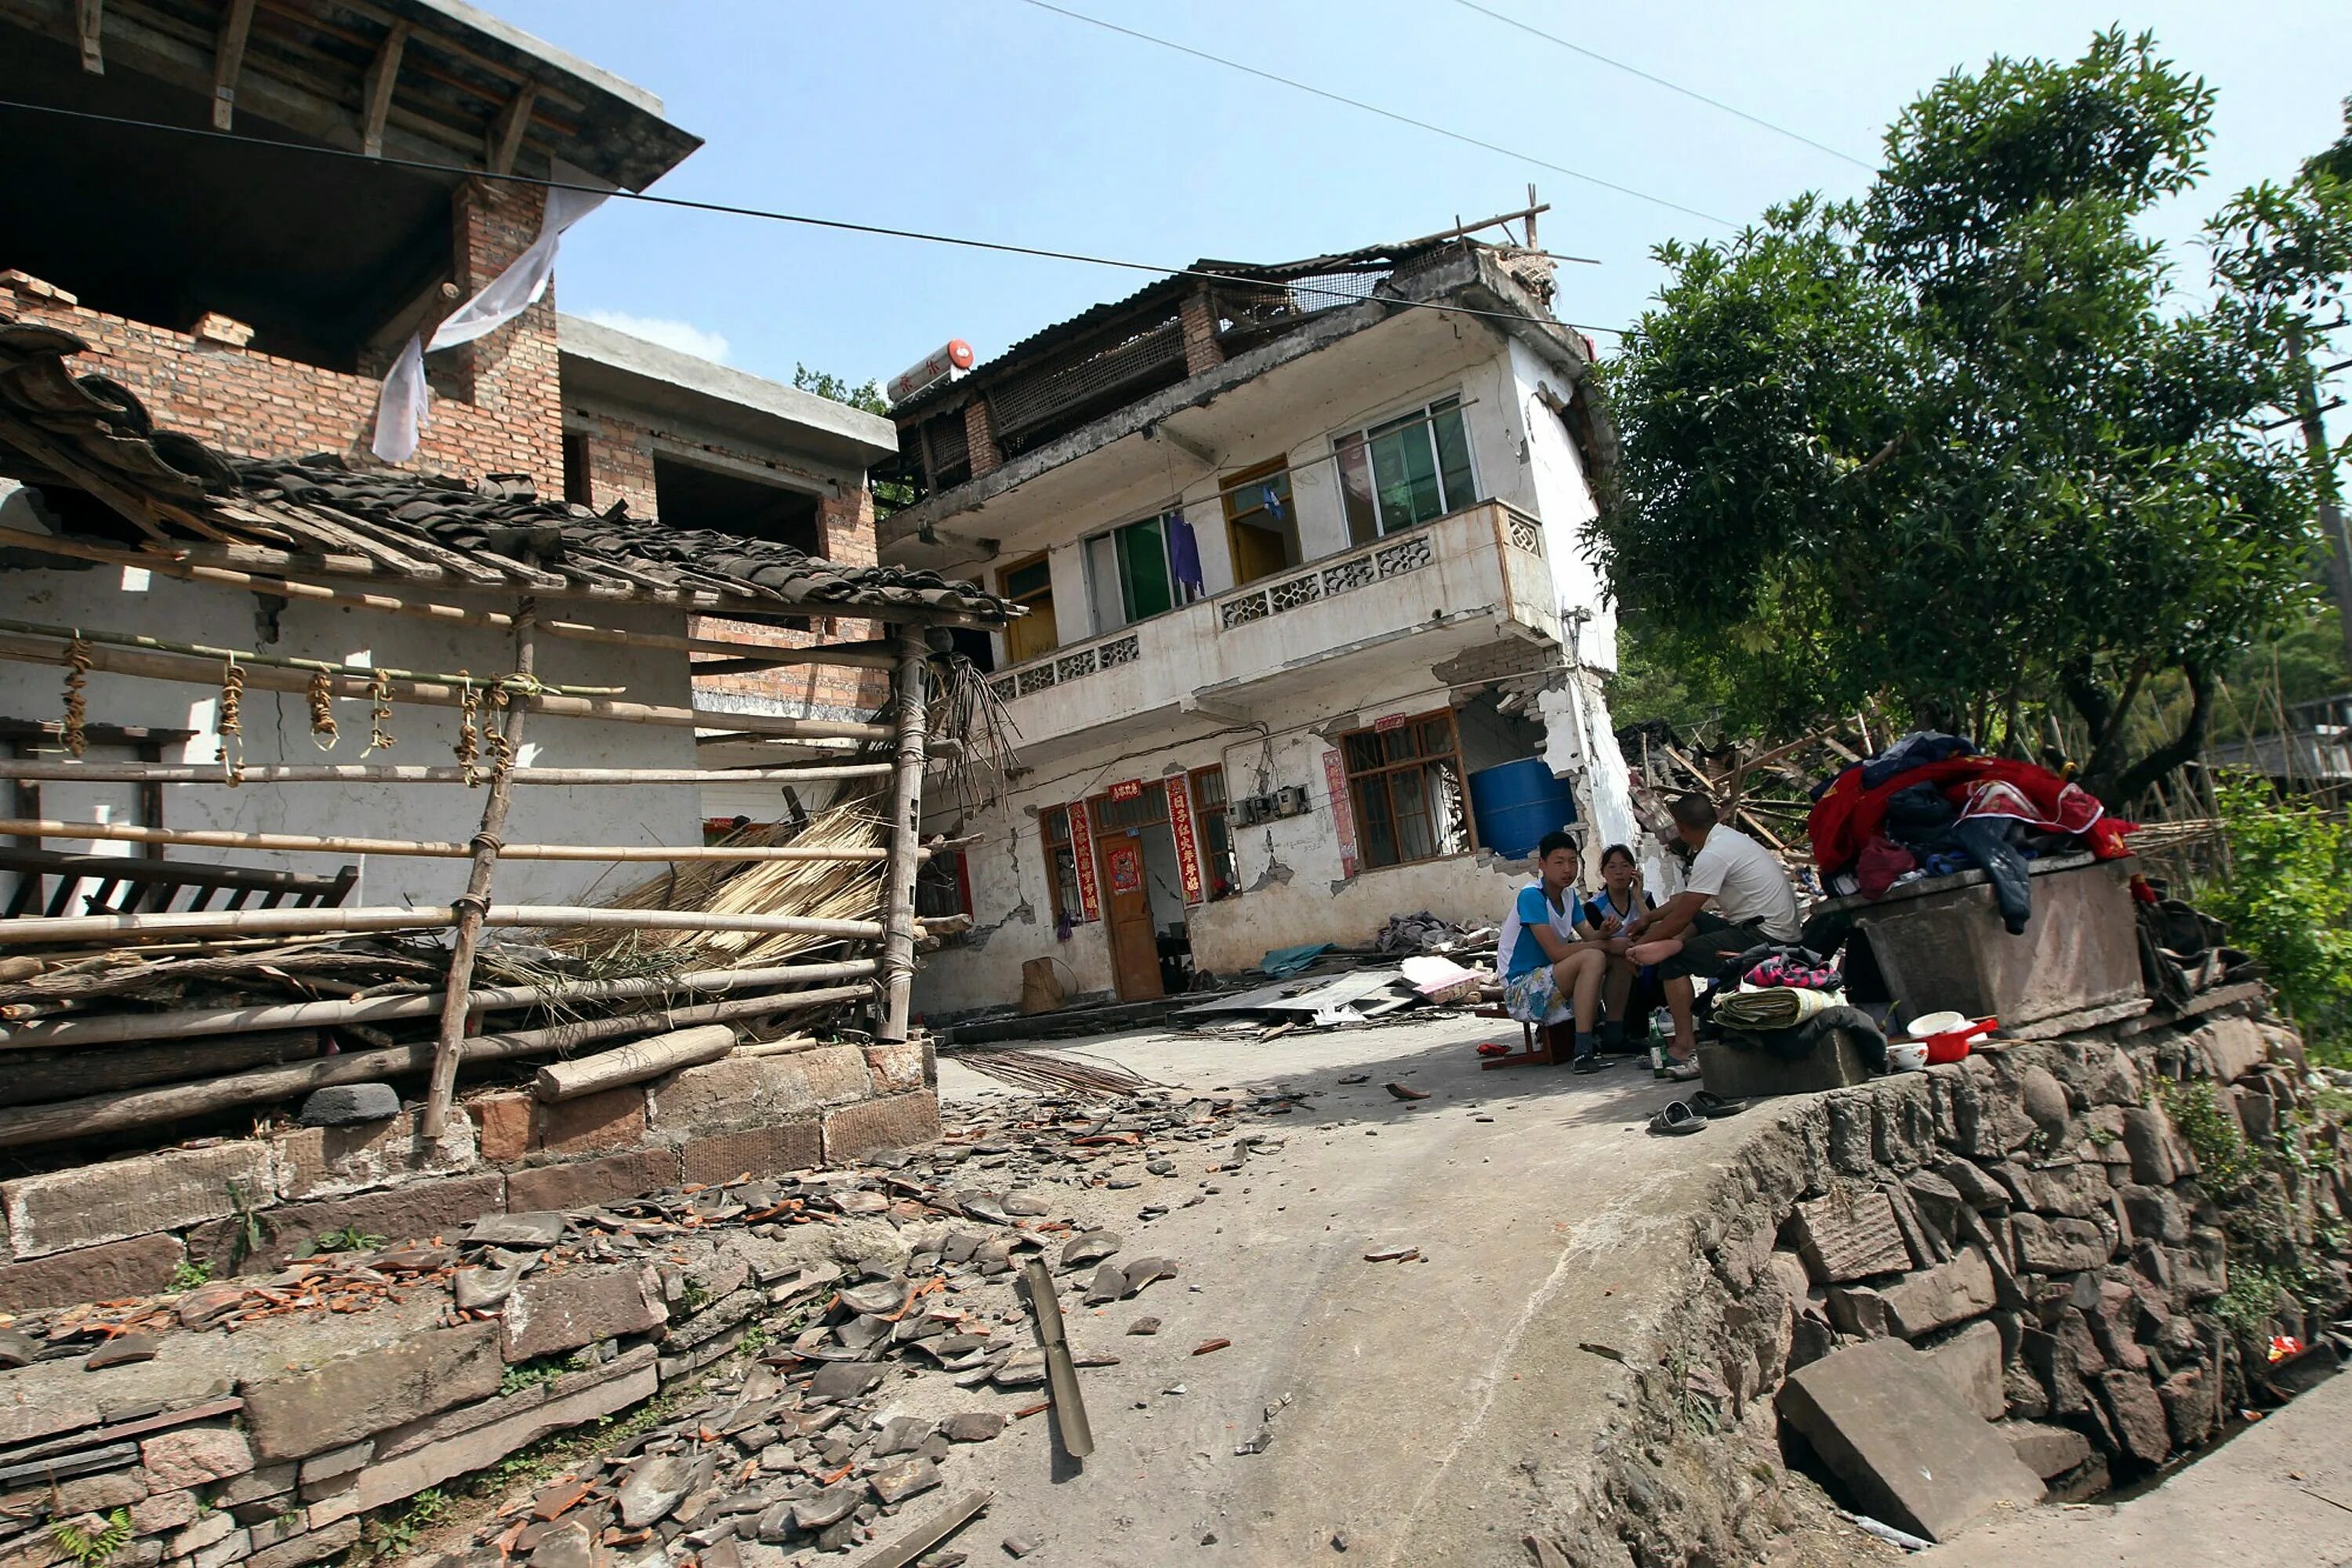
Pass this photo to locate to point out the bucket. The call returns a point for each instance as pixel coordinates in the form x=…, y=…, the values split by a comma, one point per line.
x=1516, y=803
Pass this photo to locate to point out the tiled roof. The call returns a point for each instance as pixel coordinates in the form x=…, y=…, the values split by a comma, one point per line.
x=92, y=434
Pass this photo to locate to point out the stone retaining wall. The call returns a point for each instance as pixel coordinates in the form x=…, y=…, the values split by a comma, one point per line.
x=123, y=1227
x=2039, y=1223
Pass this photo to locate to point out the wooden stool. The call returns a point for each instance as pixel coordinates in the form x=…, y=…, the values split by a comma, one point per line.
x=1538, y=1046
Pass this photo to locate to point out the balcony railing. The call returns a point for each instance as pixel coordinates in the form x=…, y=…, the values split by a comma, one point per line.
x=1357, y=567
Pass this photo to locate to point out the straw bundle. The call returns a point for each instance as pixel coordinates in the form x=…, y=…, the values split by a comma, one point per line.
x=826, y=889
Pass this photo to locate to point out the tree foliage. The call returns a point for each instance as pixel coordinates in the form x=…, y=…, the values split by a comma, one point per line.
x=2288, y=901
x=1959, y=444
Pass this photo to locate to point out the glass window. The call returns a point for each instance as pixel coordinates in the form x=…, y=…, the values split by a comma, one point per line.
x=1210, y=822
x=1061, y=865
x=1406, y=783
x=1405, y=472
x=1130, y=574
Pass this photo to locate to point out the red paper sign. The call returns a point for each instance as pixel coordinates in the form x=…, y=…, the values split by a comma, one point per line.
x=1082, y=850
x=1393, y=721
x=1126, y=867
x=1335, y=775
x=1188, y=847
x=1126, y=789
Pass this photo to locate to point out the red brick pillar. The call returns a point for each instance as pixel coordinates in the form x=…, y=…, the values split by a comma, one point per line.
x=510, y=375
x=979, y=438
x=1201, y=350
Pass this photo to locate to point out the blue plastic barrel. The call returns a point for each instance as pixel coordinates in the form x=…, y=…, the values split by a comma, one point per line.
x=1516, y=804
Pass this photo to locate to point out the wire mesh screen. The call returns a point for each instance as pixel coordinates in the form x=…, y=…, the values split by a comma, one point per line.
x=1029, y=402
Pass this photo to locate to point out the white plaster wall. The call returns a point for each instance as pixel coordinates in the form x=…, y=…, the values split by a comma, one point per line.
x=1560, y=495
x=277, y=729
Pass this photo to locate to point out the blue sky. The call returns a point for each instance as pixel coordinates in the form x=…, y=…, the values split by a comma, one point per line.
x=995, y=118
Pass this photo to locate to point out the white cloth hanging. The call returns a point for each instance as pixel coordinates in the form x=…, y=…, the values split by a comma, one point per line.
x=402, y=409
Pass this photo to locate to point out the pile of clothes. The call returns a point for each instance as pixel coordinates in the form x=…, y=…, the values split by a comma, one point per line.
x=1785, y=1001
x=1931, y=804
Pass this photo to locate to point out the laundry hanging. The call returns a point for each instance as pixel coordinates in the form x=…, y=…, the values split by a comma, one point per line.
x=401, y=410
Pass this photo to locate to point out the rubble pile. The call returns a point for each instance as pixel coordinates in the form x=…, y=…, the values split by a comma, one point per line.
x=262, y=1419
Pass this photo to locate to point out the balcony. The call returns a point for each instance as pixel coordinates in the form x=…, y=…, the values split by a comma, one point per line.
x=1470, y=579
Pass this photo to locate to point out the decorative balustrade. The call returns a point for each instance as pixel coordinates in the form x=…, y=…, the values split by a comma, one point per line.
x=1326, y=579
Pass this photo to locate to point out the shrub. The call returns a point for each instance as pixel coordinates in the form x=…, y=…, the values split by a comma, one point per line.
x=2288, y=901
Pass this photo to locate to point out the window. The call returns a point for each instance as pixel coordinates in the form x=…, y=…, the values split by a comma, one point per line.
x=577, y=486
x=1061, y=868
x=1402, y=473
x=1029, y=583
x=1209, y=821
x=942, y=887
x=1138, y=571
x=1405, y=780
x=1260, y=523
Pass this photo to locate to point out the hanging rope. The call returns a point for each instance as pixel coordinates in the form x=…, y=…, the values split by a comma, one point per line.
x=322, y=698
x=77, y=698
x=379, y=713
x=231, y=725
x=468, y=747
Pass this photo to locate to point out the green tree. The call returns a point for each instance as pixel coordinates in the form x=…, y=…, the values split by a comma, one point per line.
x=889, y=495
x=2288, y=901
x=1958, y=444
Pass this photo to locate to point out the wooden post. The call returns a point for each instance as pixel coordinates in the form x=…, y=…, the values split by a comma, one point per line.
x=906, y=836
x=475, y=900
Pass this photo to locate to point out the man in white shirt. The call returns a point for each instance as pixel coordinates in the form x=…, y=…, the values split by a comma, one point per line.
x=1754, y=904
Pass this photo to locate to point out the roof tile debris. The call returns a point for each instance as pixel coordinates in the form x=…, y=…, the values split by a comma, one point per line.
x=93, y=434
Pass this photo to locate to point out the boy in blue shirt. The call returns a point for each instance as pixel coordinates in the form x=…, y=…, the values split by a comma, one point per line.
x=1543, y=960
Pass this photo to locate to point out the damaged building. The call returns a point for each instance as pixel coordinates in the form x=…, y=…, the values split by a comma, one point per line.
x=1312, y=639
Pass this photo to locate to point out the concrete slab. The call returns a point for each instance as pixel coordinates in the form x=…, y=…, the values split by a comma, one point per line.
x=1545, y=1219
x=1888, y=1424
x=2279, y=1494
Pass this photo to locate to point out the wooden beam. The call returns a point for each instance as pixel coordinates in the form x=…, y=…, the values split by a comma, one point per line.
x=89, y=17
x=506, y=135
x=30, y=768
x=108, y=928
x=376, y=102
x=229, y=61
x=906, y=835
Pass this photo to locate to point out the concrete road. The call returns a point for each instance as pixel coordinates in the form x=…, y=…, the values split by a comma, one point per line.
x=2279, y=1495
x=1421, y=1409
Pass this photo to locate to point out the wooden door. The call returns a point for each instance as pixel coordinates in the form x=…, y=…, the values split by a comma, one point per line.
x=1126, y=911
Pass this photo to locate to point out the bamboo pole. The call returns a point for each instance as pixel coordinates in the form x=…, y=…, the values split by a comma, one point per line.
x=906, y=835
x=474, y=901
x=30, y=770
x=431, y=694
x=274, y=660
x=306, y=844
x=118, y=1028
x=865, y=656
x=633, y=1063
x=128, y=1108
x=25, y=931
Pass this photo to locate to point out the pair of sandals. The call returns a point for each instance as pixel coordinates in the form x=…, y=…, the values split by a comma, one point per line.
x=1683, y=1117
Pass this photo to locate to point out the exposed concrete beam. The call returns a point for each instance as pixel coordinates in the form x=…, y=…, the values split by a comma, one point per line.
x=90, y=16
x=1200, y=450
x=229, y=61
x=376, y=104
x=506, y=130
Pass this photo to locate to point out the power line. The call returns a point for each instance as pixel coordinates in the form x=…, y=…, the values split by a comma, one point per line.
x=1433, y=128
x=1661, y=81
x=731, y=210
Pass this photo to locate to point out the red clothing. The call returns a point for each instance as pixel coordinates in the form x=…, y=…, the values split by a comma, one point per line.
x=1848, y=817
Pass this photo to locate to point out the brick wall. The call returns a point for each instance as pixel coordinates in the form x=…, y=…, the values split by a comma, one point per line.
x=1201, y=350
x=496, y=407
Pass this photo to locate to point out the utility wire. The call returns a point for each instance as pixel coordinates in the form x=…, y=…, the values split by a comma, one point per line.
x=1533, y=31
x=842, y=225
x=1434, y=129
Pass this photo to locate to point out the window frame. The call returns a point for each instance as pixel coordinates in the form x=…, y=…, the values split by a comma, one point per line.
x=1263, y=479
x=1028, y=601
x=1386, y=771
x=1223, y=812
x=1359, y=438
x=1072, y=912
x=930, y=873
x=1179, y=595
